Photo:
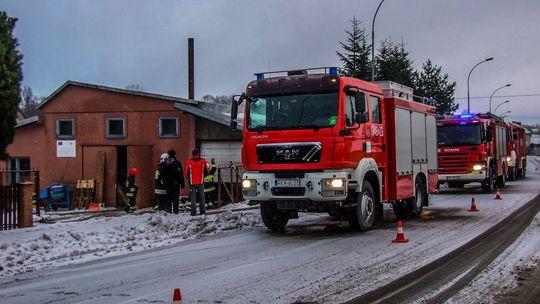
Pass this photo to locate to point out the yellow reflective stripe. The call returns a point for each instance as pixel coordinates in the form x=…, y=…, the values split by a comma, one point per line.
x=209, y=189
x=156, y=176
x=130, y=195
x=160, y=191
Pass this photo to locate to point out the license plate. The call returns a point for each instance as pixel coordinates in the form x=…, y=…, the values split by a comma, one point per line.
x=287, y=183
x=453, y=177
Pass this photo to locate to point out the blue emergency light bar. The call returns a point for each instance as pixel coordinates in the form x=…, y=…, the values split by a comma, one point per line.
x=327, y=70
x=466, y=116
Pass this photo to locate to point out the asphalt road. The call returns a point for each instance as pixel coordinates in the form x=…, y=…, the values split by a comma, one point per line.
x=319, y=260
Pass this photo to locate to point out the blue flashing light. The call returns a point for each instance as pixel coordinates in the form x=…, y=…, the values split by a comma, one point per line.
x=333, y=71
x=466, y=116
x=260, y=76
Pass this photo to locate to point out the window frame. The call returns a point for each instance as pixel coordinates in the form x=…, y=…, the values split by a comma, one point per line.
x=73, y=131
x=377, y=100
x=160, y=127
x=108, y=131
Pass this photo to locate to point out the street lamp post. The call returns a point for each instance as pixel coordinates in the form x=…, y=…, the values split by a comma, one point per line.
x=468, y=78
x=504, y=86
x=504, y=114
x=373, y=43
x=500, y=105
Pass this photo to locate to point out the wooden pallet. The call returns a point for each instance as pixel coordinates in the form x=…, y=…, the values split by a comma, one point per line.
x=84, y=193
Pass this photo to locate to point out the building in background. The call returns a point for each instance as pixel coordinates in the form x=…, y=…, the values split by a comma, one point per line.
x=80, y=121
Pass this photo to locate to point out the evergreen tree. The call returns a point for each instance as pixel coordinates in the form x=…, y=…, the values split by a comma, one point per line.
x=394, y=64
x=10, y=81
x=356, y=53
x=430, y=82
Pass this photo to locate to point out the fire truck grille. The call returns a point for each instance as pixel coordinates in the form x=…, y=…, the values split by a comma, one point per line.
x=289, y=153
x=288, y=191
x=455, y=163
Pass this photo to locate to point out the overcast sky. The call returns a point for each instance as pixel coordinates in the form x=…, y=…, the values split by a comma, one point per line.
x=118, y=43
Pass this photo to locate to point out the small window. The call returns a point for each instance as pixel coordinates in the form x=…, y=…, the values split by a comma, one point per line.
x=375, y=107
x=65, y=128
x=116, y=128
x=168, y=127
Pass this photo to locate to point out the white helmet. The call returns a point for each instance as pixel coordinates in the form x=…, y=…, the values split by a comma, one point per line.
x=163, y=157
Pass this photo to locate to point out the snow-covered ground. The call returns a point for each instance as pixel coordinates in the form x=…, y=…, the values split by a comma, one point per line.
x=319, y=259
x=75, y=238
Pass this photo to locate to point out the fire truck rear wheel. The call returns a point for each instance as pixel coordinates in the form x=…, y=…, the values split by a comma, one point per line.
x=416, y=204
x=365, y=209
x=273, y=218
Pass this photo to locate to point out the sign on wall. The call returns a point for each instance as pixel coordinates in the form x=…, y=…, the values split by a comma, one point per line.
x=65, y=148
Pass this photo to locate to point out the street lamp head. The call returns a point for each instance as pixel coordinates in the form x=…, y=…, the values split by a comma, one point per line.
x=508, y=85
x=489, y=59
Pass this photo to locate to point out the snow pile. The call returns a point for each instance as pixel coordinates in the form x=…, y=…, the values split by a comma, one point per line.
x=57, y=244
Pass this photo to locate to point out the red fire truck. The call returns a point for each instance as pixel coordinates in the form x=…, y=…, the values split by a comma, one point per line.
x=472, y=148
x=517, y=151
x=319, y=142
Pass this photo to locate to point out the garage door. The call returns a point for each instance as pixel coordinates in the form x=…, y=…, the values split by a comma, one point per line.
x=223, y=152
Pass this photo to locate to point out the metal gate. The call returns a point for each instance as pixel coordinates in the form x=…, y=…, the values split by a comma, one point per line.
x=10, y=206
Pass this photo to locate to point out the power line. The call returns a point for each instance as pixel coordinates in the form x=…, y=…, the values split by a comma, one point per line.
x=500, y=96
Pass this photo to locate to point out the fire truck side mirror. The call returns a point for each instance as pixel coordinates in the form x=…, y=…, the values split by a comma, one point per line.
x=360, y=102
x=236, y=101
x=489, y=134
x=361, y=118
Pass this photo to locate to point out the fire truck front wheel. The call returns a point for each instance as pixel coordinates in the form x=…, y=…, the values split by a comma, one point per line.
x=488, y=184
x=273, y=218
x=362, y=219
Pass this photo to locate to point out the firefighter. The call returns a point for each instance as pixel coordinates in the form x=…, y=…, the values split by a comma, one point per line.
x=160, y=190
x=131, y=190
x=196, y=169
x=173, y=179
x=210, y=186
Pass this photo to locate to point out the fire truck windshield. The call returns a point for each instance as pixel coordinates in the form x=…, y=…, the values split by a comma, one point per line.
x=459, y=135
x=287, y=112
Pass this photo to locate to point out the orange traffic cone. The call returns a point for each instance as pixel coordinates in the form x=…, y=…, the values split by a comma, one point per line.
x=177, y=296
x=473, y=206
x=400, y=237
x=498, y=195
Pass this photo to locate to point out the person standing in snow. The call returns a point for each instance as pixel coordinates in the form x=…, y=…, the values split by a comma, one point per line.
x=160, y=191
x=173, y=179
x=131, y=190
x=196, y=169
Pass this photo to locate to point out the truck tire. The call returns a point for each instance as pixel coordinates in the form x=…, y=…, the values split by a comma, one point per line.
x=488, y=184
x=524, y=169
x=273, y=218
x=512, y=175
x=415, y=205
x=364, y=216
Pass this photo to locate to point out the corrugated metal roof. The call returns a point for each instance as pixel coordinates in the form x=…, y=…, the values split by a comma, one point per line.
x=26, y=121
x=215, y=117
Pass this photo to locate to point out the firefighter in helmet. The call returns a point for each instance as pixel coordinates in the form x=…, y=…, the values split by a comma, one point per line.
x=131, y=190
x=160, y=189
x=210, y=186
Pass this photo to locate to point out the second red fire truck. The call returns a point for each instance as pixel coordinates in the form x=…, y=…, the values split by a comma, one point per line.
x=473, y=148
x=321, y=142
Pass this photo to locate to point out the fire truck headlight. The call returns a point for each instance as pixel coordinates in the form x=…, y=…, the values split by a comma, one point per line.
x=508, y=158
x=477, y=167
x=334, y=183
x=333, y=186
x=249, y=183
